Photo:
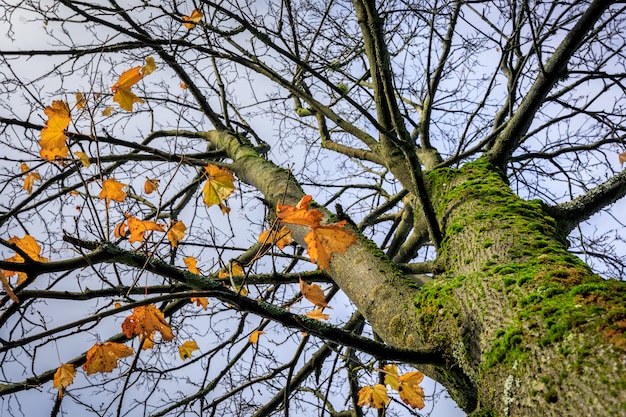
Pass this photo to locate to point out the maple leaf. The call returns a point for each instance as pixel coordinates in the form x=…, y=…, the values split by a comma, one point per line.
x=121, y=90
x=126, y=98
x=103, y=357
x=81, y=101
x=63, y=377
x=150, y=185
x=149, y=68
x=300, y=213
x=7, y=287
x=325, y=240
x=138, y=228
x=84, y=159
x=186, y=349
x=220, y=184
x=128, y=79
x=622, y=158
x=391, y=376
x=147, y=343
x=190, y=21
x=280, y=238
x=52, y=143
x=191, y=263
x=374, y=396
x=314, y=294
x=200, y=302
x=30, y=246
x=120, y=230
x=112, y=190
x=410, y=391
x=108, y=111
x=144, y=321
x=29, y=178
x=317, y=314
x=254, y=337
x=236, y=270
x=176, y=233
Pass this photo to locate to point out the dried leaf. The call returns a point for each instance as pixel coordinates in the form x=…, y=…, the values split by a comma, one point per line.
x=126, y=98
x=176, y=233
x=190, y=21
x=144, y=321
x=150, y=185
x=200, y=302
x=112, y=190
x=622, y=158
x=280, y=238
x=186, y=349
x=122, y=93
x=314, y=294
x=191, y=263
x=220, y=184
x=149, y=68
x=317, y=314
x=410, y=391
x=300, y=213
x=138, y=228
x=147, y=343
x=29, y=178
x=108, y=111
x=63, y=377
x=323, y=241
x=254, y=337
x=128, y=79
x=103, y=357
x=7, y=287
x=374, y=396
x=235, y=269
x=81, y=101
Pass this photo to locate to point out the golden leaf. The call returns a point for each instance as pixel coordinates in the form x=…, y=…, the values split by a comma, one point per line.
x=147, y=343
x=30, y=246
x=29, y=178
x=108, y=111
x=128, y=79
x=53, y=136
x=176, y=233
x=280, y=238
x=183, y=86
x=300, y=213
x=235, y=269
x=200, y=302
x=144, y=321
x=186, y=349
x=622, y=158
x=81, y=101
x=317, y=314
x=220, y=184
x=103, y=357
x=149, y=67
x=374, y=396
x=391, y=376
x=150, y=185
x=84, y=159
x=63, y=377
x=120, y=230
x=7, y=287
x=190, y=21
x=112, y=190
x=126, y=98
x=191, y=263
x=314, y=294
x=410, y=391
x=323, y=241
x=138, y=228
x=254, y=337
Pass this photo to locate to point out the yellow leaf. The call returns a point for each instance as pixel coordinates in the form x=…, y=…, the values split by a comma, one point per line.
x=186, y=349
x=200, y=302
x=300, y=213
x=314, y=294
x=138, y=228
x=81, y=101
x=391, y=376
x=149, y=67
x=103, y=357
x=108, y=111
x=7, y=287
x=235, y=269
x=254, y=337
x=410, y=391
x=150, y=185
x=147, y=343
x=374, y=396
x=63, y=377
x=126, y=98
x=53, y=136
x=220, y=184
x=190, y=21
x=144, y=321
x=176, y=233
x=191, y=263
x=280, y=238
x=29, y=178
x=112, y=190
x=30, y=246
x=84, y=159
x=317, y=314
x=323, y=241
x=128, y=79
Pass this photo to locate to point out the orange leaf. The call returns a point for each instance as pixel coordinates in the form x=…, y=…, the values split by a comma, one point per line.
x=63, y=377
x=220, y=184
x=144, y=321
x=81, y=101
x=254, y=337
x=138, y=228
x=323, y=241
x=29, y=178
x=190, y=21
x=120, y=230
x=186, y=349
x=147, y=343
x=7, y=287
x=183, y=86
x=622, y=158
x=280, y=238
x=53, y=137
x=300, y=213
x=191, y=263
x=235, y=269
x=112, y=190
x=150, y=185
x=108, y=111
x=410, y=391
x=126, y=98
x=103, y=357
x=176, y=233
x=30, y=246
x=374, y=396
x=314, y=294
x=317, y=314
x=128, y=79
x=200, y=302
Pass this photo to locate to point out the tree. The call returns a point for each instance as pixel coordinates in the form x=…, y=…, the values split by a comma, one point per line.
x=464, y=145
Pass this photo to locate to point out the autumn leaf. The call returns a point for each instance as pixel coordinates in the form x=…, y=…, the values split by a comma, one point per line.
x=183, y=86
x=138, y=228
x=7, y=287
x=149, y=68
x=112, y=190
x=120, y=230
x=235, y=270
x=314, y=294
x=150, y=185
x=186, y=349
x=280, y=238
x=81, y=101
x=323, y=241
x=300, y=213
x=63, y=377
x=128, y=79
x=410, y=391
x=191, y=263
x=317, y=314
x=254, y=337
x=108, y=111
x=147, y=343
x=103, y=357
x=220, y=184
x=190, y=21
x=144, y=321
x=176, y=233
x=622, y=158
x=30, y=246
x=200, y=302
x=391, y=376
x=52, y=143
x=29, y=178
x=374, y=396
x=126, y=98
x=122, y=93
x=83, y=158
